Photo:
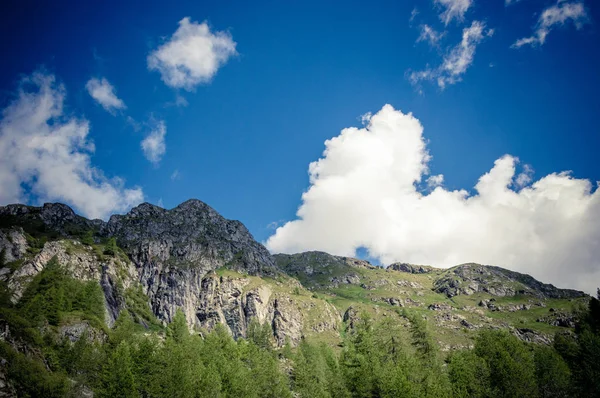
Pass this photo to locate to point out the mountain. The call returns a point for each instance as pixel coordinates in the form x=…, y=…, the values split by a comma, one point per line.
x=192, y=258
x=152, y=262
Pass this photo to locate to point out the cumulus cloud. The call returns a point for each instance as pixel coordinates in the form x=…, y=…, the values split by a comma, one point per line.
x=45, y=155
x=429, y=35
x=453, y=9
x=104, y=93
x=556, y=15
x=457, y=60
x=192, y=55
x=153, y=145
x=364, y=192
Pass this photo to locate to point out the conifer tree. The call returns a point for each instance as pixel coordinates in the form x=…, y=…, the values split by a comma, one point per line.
x=117, y=380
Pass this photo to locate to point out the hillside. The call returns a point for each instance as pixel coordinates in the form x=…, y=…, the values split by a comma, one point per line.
x=152, y=263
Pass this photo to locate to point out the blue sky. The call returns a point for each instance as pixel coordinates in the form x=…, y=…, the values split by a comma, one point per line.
x=299, y=74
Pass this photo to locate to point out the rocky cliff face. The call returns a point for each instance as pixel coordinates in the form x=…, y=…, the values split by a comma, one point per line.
x=226, y=300
x=192, y=235
x=53, y=219
x=174, y=250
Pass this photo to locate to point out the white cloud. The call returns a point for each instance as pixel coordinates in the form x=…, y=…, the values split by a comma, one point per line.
x=435, y=181
x=525, y=177
x=45, y=155
x=181, y=101
x=363, y=193
x=135, y=125
x=556, y=15
x=175, y=175
x=275, y=224
x=413, y=15
x=104, y=93
x=510, y=2
x=457, y=60
x=192, y=55
x=453, y=9
x=429, y=35
x=153, y=145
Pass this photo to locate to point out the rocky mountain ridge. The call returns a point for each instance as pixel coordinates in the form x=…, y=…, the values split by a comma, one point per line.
x=193, y=259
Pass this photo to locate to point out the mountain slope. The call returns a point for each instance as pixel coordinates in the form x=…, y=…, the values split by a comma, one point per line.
x=193, y=259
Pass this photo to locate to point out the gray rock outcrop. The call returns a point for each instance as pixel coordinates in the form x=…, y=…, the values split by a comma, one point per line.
x=411, y=268
x=472, y=278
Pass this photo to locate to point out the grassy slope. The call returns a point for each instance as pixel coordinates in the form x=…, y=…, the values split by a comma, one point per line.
x=369, y=296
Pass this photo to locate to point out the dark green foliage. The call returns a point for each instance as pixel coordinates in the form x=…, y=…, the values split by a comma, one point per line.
x=178, y=330
x=582, y=351
x=53, y=293
x=35, y=244
x=117, y=377
x=4, y=295
x=88, y=238
x=123, y=329
x=378, y=361
x=29, y=376
x=260, y=334
x=422, y=340
x=510, y=362
x=469, y=375
x=552, y=373
x=83, y=360
x=111, y=247
x=317, y=372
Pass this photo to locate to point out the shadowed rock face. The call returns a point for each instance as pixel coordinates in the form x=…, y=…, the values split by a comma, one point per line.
x=55, y=218
x=192, y=235
x=174, y=249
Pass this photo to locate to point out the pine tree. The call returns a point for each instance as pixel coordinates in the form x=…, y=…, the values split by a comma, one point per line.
x=178, y=328
x=260, y=334
x=552, y=373
x=117, y=380
x=88, y=238
x=111, y=247
x=511, y=364
x=469, y=375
